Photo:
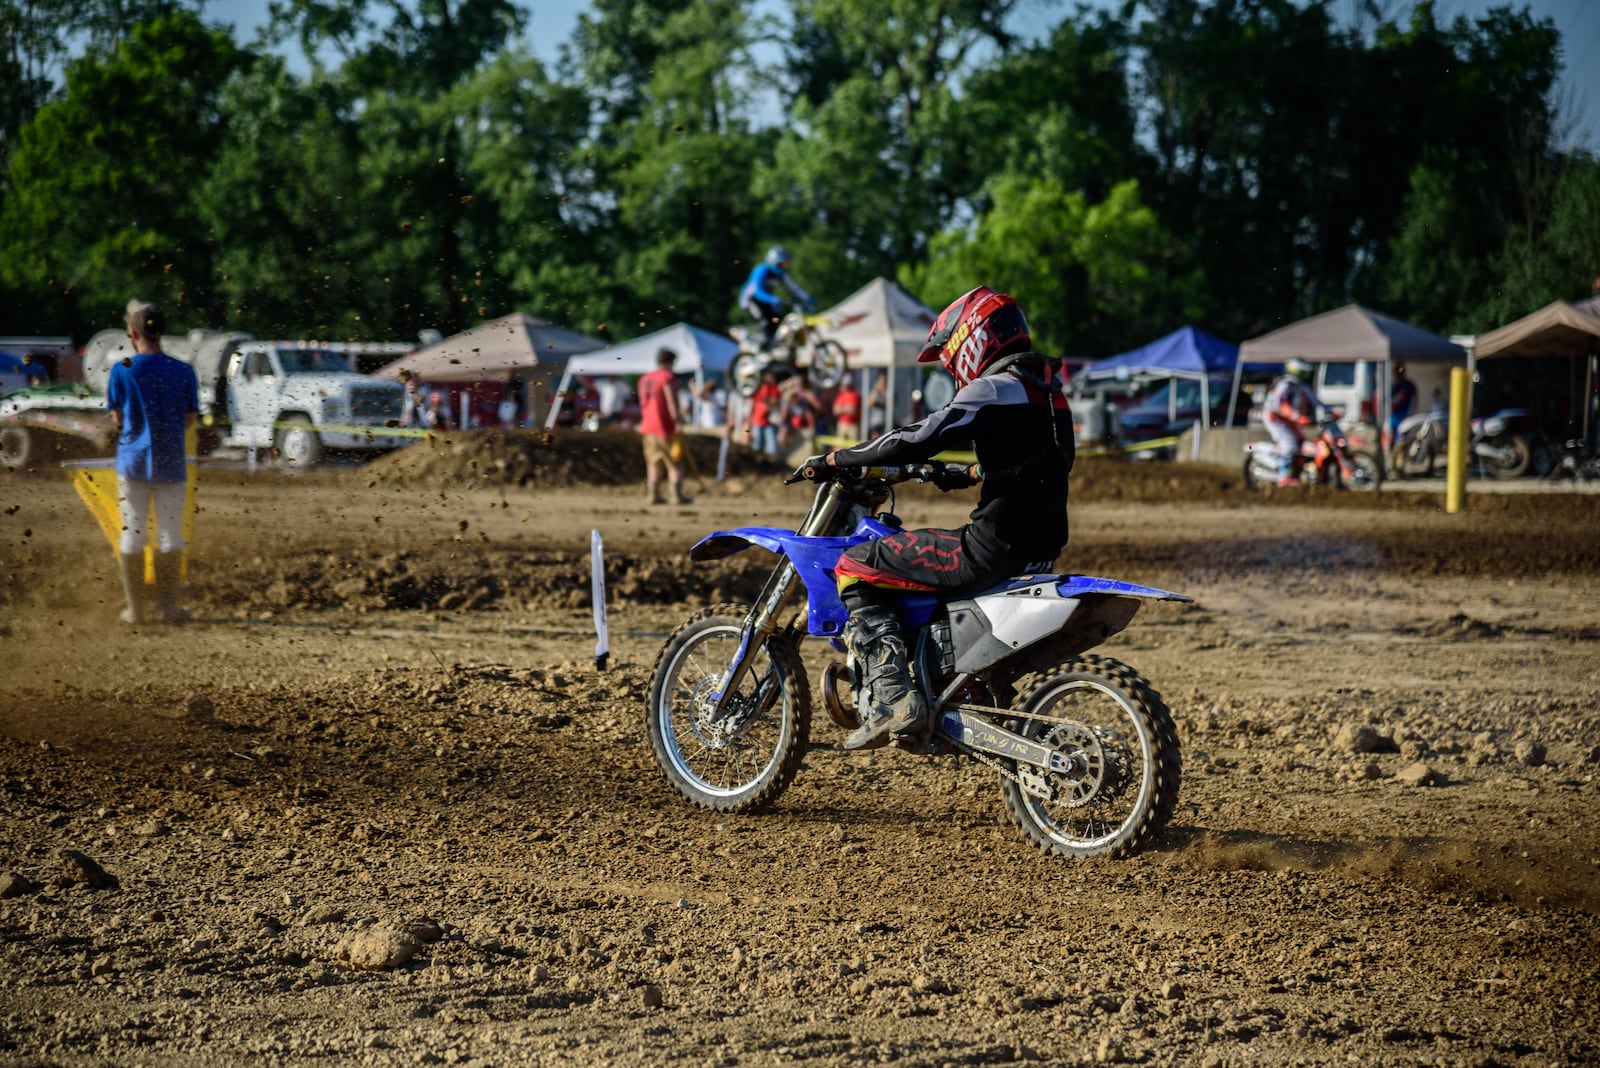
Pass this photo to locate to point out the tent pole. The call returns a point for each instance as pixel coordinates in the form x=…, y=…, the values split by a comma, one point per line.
x=1588, y=396
x=1233, y=395
x=561, y=396
x=1205, y=415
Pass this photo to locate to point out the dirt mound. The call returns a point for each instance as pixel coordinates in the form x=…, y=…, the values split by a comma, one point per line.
x=551, y=458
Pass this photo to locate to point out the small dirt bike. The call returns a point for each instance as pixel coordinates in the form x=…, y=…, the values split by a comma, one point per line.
x=798, y=334
x=1085, y=749
x=1495, y=447
x=1330, y=458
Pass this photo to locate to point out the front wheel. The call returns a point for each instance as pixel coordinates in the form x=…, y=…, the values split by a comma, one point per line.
x=827, y=364
x=299, y=447
x=748, y=756
x=1364, y=474
x=1115, y=785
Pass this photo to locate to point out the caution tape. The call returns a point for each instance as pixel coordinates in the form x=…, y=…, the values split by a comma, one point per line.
x=367, y=431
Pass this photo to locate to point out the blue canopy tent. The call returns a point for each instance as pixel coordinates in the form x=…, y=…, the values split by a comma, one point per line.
x=1184, y=353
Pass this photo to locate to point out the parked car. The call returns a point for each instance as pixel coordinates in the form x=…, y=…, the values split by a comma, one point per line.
x=1173, y=406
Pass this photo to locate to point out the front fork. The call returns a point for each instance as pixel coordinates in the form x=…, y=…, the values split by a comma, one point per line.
x=767, y=616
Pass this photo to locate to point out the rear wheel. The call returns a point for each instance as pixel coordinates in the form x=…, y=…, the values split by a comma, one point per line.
x=18, y=449
x=744, y=373
x=748, y=756
x=1259, y=471
x=1412, y=459
x=1119, y=764
x=299, y=446
x=1507, y=457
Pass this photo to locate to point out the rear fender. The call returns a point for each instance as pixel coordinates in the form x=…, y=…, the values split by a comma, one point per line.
x=1042, y=619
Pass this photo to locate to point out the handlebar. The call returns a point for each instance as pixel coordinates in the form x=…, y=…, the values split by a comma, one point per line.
x=945, y=476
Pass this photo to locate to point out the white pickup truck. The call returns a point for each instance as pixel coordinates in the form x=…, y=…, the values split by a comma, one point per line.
x=299, y=398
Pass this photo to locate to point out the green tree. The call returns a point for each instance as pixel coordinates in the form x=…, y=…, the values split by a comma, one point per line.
x=860, y=170
x=684, y=202
x=1558, y=262
x=1086, y=273
x=103, y=181
x=1061, y=107
x=285, y=201
x=534, y=238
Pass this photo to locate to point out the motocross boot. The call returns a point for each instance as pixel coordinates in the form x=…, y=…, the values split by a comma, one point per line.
x=168, y=566
x=130, y=568
x=888, y=702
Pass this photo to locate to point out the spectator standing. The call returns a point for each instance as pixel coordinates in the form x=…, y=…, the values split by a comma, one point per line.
x=877, y=399
x=659, y=420
x=613, y=394
x=713, y=409
x=800, y=408
x=847, y=411
x=436, y=416
x=766, y=409
x=413, y=405
x=154, y=402
x=1402, y=401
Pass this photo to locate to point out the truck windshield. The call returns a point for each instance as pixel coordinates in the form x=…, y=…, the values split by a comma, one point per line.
x=303, y=361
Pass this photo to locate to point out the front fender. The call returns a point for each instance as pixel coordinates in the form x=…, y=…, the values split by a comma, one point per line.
x=812, y=558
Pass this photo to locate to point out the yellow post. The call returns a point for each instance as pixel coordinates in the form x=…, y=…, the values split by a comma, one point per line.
x=1455, y=492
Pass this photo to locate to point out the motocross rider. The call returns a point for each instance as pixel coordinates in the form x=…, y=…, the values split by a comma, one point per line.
x=1290, y=405
x=1009, y=407
x=760, y=297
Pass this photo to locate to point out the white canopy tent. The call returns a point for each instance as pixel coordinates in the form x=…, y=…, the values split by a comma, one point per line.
x=881, y=325
x=698, y=351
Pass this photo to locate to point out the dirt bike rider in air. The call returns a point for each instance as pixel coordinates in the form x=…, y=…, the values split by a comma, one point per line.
x=1290, y=405
x=1010, y=409
x=760, y=297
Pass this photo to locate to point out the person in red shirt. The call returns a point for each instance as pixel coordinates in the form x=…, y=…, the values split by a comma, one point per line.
x=766, y=408
x=659, y=419
x=847, y=412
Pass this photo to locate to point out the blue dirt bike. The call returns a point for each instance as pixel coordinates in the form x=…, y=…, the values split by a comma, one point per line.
x=1084, y=747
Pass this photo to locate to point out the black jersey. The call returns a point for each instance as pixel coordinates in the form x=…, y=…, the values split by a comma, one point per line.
x=1022, y=435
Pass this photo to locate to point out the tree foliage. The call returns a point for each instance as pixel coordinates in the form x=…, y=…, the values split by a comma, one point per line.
x=103, y=179
x=1233, y=163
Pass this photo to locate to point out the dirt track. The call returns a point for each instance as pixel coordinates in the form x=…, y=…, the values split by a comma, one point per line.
x=376, y=805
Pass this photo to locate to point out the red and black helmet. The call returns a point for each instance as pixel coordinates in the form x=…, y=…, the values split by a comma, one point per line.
x=973, y=332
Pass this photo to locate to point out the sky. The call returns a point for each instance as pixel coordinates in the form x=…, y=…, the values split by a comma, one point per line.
x=550, y=25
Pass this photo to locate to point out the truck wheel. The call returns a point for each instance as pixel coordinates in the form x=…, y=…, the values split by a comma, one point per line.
x=298, y=444
x=17, y=448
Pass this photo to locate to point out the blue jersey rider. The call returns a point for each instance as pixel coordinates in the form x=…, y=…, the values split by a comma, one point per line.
x=760, y=297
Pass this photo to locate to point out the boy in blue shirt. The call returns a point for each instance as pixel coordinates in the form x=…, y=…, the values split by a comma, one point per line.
x=154, y=401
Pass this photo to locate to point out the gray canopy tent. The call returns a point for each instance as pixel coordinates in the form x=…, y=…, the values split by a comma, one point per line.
x=1559, y=329
x=517, y=347
x=1347, y=335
